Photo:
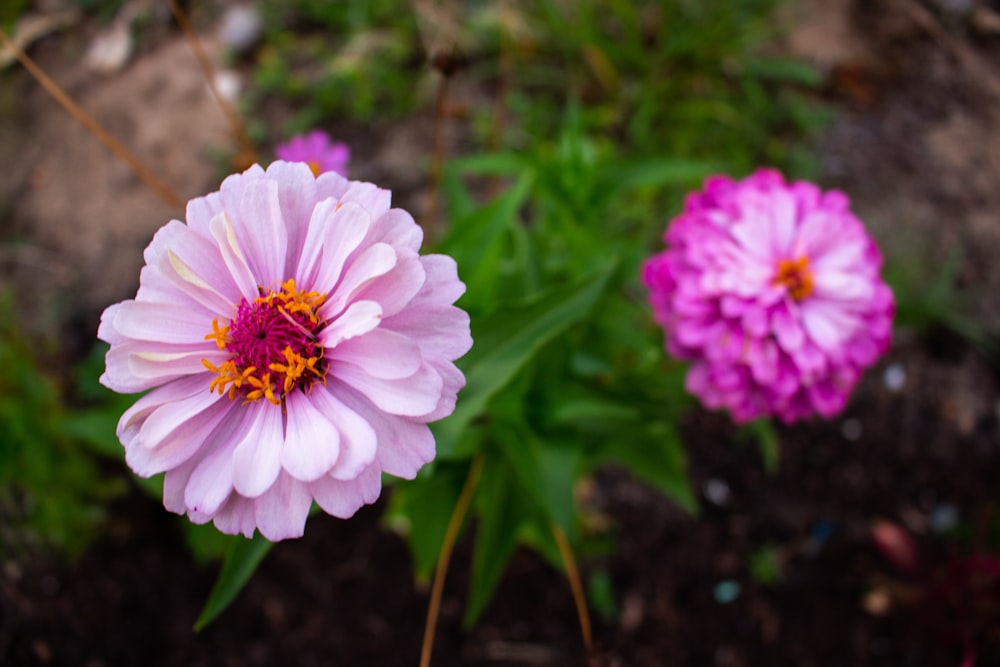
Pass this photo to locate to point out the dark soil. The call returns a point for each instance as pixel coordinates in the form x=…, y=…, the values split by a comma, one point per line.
x=912, y=146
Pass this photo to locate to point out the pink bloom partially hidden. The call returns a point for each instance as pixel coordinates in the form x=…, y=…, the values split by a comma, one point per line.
x=772, y=290
x=295, y=344
x=317, y=150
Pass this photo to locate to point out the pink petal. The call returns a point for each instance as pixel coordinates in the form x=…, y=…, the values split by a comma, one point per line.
x=441, y=286
x=374, y=261
x=237, y=517
x=394, y=290
x=359, y=318
x=232, y=256
x=174, y=483
x=312, y=441
x=281, y=512
x=257, y=456
x=263, y=235
x=211, y=482
x=334, y=233
x=162, y=322
x=160, y=367
x=358, y=441
x=442, y=331
x=342, y=498
x=383, y=354
x=297, y=197
x=411, y=396
x=370, y=197
x=397, y=228
x=404, y=446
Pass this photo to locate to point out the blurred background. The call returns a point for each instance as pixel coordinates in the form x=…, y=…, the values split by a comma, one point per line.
x=771, y=559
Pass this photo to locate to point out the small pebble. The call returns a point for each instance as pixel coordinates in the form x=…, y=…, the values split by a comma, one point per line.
x=851, y=429
x=241, y=28
x=726, y=591
x=894, y=377
x=943, y=518
x=716, y=491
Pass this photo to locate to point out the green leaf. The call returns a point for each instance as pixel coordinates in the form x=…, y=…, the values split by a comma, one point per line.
x=422, y=508
x=658, y=172
x=505, y=341
x=547, y=469
x=656, y=455
x=96, y=429
x=766, y=436
x=490, y=163
x=496, y=534
x=476, y=244
x=784, y=69
x=239, y=565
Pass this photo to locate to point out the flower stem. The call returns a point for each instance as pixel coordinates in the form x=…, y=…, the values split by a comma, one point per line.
x=450, y=536
x=575, y=584
x=52, y=88
x=248, y=153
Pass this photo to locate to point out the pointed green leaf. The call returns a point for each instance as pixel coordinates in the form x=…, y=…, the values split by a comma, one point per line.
x=476, y=244
x=239, y=565
x=547, y=469
x=422, y=508
x=656, y=455
x=764, y=433
x=496, y=534
x=505, y=341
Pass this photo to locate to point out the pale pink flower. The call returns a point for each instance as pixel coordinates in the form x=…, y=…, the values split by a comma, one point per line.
x=317, y=150
x=295, y=344
x=772, y=290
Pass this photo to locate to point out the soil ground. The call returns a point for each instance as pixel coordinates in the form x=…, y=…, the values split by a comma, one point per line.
x=916, y=144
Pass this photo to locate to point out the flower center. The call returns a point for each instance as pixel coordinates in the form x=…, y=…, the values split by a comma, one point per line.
x=795, y=275
x=316, y=167
x=273, y=345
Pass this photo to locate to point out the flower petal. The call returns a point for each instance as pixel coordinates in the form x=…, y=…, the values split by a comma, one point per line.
x=342, y=498
x=358, y=441
x=383, y=354
x=229, y=247
x=358, y=319
x=335, y=231
x=282, y=510
x=162, y=322
x=411, y=396
x=312, y=441
x=265, y=239
x=404, y=446
x=374, y=261
x=257, y=456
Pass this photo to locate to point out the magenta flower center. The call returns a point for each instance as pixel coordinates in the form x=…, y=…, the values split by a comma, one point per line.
x=273, y=345
x=795, y=275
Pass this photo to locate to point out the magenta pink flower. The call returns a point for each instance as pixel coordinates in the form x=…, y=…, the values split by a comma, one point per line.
x=772, y=290
x=317, y=150
x=295, y=344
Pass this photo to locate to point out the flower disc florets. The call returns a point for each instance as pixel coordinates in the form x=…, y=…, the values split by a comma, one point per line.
x=274, y=345
x=772, y=291
x=294, y=345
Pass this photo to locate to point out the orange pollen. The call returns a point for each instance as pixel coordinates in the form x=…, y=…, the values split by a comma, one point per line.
x=317, y=169
x=273, y=345
x=795, y=275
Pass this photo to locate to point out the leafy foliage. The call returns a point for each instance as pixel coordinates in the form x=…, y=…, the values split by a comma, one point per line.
x=52, y=487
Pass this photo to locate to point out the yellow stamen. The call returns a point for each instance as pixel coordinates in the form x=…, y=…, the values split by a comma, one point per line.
x=795, y=275
x=297, y=307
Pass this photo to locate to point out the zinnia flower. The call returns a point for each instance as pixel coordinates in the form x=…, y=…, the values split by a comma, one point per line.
x=772, y=290
x=317, y=150
x=296, y=345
